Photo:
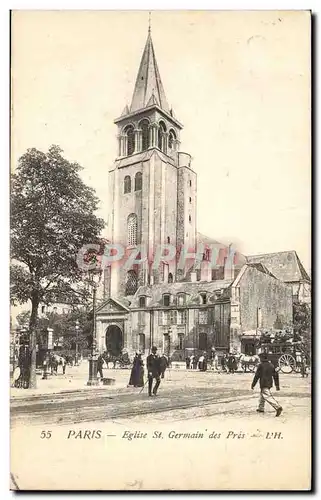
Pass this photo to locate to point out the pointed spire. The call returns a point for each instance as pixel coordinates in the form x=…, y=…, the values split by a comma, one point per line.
x=125, y=111
x=148, y=81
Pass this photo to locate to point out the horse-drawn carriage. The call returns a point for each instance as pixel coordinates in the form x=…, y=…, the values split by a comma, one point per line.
x=287, y=356
x=120, y=361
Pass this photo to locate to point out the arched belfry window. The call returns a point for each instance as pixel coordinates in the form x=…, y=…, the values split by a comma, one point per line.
x=129, y=131
x=162, y=136
x=132, y=229
x=138, y=181
x=144, y=126
x=131, y=283
x=170, y=278
x=171, y=139
x=127, y=184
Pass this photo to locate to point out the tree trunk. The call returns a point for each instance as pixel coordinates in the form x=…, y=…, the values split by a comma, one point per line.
x=33, y=342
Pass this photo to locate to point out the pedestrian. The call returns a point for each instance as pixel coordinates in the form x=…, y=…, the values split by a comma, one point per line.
x=154, y=371
x=303, y=366
x=216, y=362
x=137, y=371
x=64, y=364
x=195, y=362
x=100, y=364
x=188, y=362
x=163, y=364
x=204, y=367
x=223, y=362
x=201, y=363
x=266, y=373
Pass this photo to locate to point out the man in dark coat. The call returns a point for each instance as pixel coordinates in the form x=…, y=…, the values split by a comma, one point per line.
x=154, y=371
x=100, y=364
x=163, y=364
x=265, y=373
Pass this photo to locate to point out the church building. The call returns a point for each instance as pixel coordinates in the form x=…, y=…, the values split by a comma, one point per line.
x=153, y=192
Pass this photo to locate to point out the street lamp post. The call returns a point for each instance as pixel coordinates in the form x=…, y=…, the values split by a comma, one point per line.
x=93, y=380
x=169, y=345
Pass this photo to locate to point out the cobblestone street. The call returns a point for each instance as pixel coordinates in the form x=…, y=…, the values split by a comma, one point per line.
x=91, y=430
x=182, y=394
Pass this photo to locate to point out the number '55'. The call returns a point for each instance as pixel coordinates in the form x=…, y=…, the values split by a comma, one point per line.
x=45, y=434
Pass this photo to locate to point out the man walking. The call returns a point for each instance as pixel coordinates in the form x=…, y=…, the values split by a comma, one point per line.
x=266, y=373
x=154, y=371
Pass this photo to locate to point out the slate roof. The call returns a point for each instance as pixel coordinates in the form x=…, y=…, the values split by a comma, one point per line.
x=193, y=289
x=148, y=88
x=144, y=156
x=285, y=266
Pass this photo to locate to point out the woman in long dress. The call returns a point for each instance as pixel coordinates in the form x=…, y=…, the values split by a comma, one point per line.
x=137, y=372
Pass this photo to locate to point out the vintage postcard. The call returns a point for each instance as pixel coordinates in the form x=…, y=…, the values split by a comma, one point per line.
x=160, y=334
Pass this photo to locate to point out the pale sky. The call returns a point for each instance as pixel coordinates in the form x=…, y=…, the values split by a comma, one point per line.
x=238, y=81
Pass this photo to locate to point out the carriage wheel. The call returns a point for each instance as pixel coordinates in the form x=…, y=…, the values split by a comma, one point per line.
x=287, y=363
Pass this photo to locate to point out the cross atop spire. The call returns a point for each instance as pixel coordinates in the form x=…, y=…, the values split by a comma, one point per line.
x=148, y=81
x=149, y=22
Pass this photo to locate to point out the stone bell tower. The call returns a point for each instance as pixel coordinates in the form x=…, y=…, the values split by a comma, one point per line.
x=152, y=186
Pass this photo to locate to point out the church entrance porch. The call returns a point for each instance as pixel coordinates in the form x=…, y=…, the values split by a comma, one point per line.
x=114, y=340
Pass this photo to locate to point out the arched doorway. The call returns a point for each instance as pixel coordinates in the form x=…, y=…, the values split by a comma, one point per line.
x=114, y=340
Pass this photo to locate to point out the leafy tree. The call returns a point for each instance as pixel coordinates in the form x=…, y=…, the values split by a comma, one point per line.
x=52, y=217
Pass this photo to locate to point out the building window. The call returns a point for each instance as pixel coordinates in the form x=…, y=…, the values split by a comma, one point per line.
x=202, y=341
x=142, y=342
x=142, y=301
x=162, y=137
x=190, y=199
x=132, y=229
x=181, y=299
x=43, y=308
x=218, y=273
x=173, y=317
x=168, y=239
x=141, y=318
x=198, y=274
x=171, y=139
x=138, y=181
x=203, y=317
x=206, y=255
x=181, y=342
x=190, y=218
x=129, y=131
x=190, y=183
x=203, y=298
x=166, y=318
x=170, y=278
x=127, y=184
x=182, y=317
x=131, y=283
x=165, y=272
x=144, y=125
x=166, y=299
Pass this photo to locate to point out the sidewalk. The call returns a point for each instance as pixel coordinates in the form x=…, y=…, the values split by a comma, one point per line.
x=75, y=380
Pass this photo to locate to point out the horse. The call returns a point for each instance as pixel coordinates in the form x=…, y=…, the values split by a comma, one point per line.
x=249, y=361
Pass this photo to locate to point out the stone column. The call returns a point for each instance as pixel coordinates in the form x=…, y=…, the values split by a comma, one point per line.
x=165, y=142
x=125, y=140
x=153, y=135
x=138, y=147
